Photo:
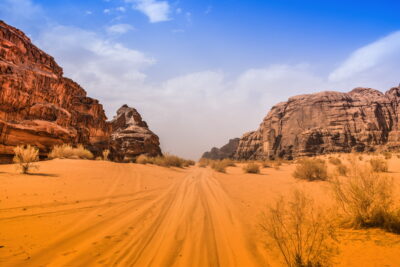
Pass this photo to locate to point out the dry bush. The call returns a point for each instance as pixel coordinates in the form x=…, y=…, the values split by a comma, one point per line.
x=25, y=156
x=143, y=159
x=266, y=164
x=311, y=170
x=106, y=153
x=342, y=169
x=203, y=162
x=360, y=158
x=251, y=168
x=229, y=162
x=68, y=152
x=166, y=160
x=379, y=165
x=219, y=166
x=398, y=156
x=335, y=161
x=387, y=155
x=302, y=233
x=366, y=199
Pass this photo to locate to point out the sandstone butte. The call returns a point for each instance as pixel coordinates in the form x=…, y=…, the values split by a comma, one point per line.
x=39, y=106
x=307, y=125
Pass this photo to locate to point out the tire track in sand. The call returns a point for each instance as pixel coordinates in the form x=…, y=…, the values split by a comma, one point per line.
x=193, y=223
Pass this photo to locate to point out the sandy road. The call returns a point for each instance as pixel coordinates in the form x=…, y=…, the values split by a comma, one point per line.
x=190, y=222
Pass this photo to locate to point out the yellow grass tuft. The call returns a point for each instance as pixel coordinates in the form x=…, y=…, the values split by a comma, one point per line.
x=25, y=156
x=66, y=151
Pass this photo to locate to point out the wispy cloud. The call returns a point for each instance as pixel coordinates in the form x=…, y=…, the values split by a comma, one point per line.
x=156, y=11
x=372, y=65
x=119, y=28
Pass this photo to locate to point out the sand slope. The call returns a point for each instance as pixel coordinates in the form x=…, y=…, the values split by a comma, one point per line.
x=96, y=213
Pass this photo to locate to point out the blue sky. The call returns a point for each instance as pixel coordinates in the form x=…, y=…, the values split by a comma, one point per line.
x=201, y=72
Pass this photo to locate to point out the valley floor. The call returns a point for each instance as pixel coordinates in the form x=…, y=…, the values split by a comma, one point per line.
x=93, y=213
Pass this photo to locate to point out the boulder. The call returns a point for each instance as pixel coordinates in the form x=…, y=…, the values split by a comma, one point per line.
x=131, y=136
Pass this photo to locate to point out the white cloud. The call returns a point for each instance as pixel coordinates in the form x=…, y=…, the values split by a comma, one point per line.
x=119, y=28
x=375, y=64
x=121, y=9
x=156, y=11
x=106, y=11
x=106, y=69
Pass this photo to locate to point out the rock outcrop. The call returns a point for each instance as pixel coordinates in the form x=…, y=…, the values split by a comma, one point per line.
x=226, y=151
x=306, y=125
x=39, y=106
x=131, y=136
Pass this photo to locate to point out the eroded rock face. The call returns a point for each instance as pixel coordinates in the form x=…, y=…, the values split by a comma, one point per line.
x=306, y=125
x=131, y=136
x=38, y=105
x=225, y=152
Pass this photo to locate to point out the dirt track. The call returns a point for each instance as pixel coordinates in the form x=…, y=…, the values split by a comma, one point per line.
x=189, y=222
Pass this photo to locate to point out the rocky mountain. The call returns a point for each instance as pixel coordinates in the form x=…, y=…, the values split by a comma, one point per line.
x=361, y=120
x=226, y=151
x=39, y=106
x=131, y=136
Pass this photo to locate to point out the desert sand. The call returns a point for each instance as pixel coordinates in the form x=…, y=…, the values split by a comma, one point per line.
x=98, y=213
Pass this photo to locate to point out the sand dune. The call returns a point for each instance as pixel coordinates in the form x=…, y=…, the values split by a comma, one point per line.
x=89, y=213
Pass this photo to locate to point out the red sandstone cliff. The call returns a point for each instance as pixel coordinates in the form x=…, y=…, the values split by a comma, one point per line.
x=306, y=125
x=39, y=106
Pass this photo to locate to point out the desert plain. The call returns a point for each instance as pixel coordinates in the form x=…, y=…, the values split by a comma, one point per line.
x=100, y=213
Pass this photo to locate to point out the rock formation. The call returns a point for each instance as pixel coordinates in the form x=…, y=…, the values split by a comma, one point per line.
x=39, y=106
x=226, y=151
x=131, y=136
x=306, y=125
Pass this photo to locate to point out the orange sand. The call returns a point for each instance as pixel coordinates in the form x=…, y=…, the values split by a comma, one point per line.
x=90, y=213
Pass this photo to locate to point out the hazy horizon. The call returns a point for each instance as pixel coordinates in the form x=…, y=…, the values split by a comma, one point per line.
x=203, y=73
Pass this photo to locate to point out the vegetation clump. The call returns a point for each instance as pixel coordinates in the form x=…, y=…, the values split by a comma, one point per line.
x=66, y=151
x=311, y=170
x=379, y=165
x=165, y=161
x=105, y=154
x=342, y=169
x=335, y=161
x=219, y=166
x=25, y=156
x=302, y=233
x=387, y=155
x=366, y=199
x=251, y=168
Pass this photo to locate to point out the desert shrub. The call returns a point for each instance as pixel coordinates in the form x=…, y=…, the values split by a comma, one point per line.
x=379, y=165
x=251, y=168
x=98, y=158
x=335, y=161
x=266, y=164
x=342, y=169
x=229, y=162
x=398, y=156
x=25, y=156
x=311, y=170
x=302, y=233
x=387, y=155
x=166, y=160
x=68, y=152
x=219, y=166
x=106, y=153
x=203, y=162
x=366, y=199
x=360, y=158
x=143, y=159
x=171, y=161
